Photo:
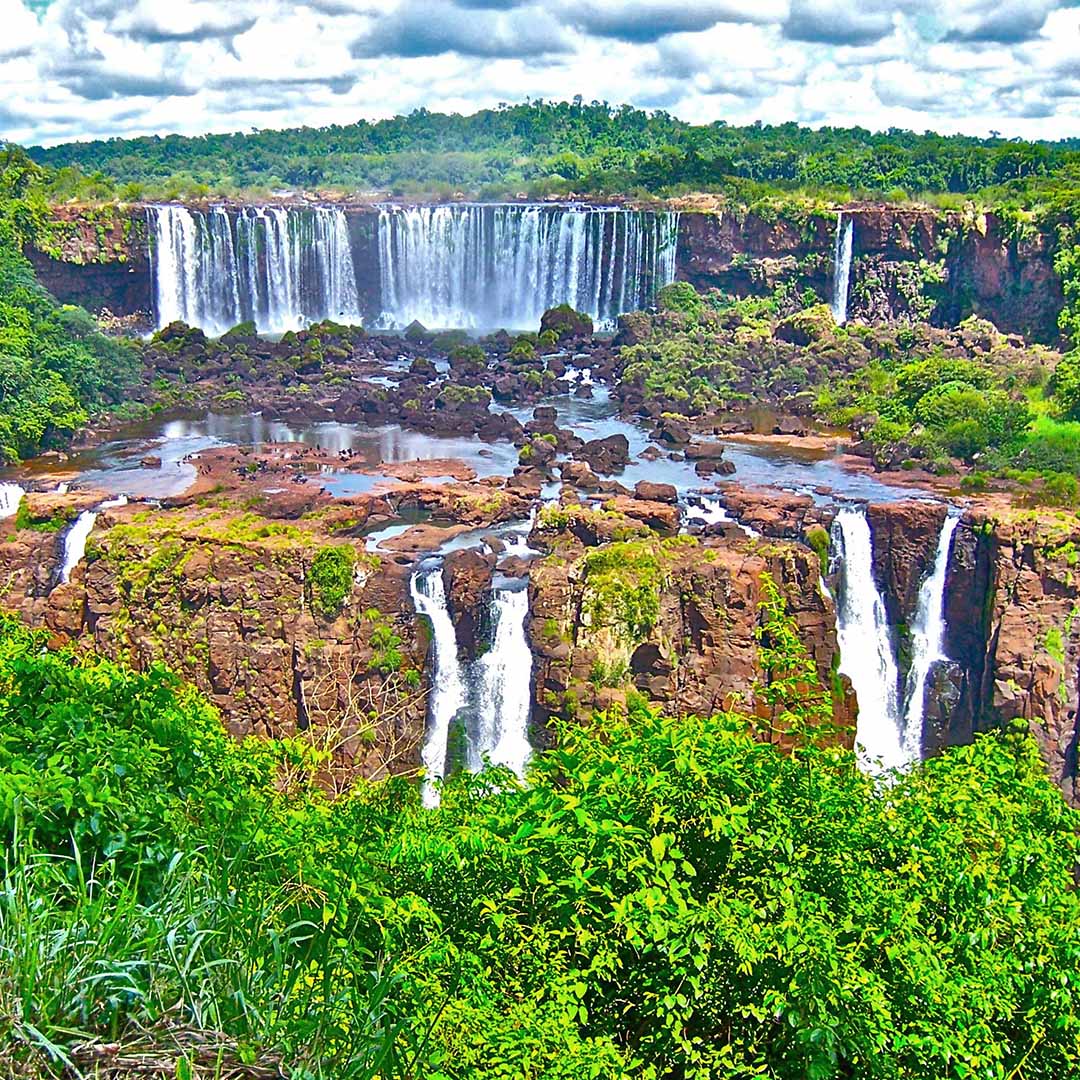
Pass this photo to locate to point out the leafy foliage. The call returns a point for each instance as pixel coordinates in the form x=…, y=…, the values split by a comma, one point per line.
x=553, y=147
x=665, y=898
x=330, y=579
x=54, y=364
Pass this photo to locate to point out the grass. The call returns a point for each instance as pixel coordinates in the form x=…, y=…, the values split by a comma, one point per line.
x=95, y=978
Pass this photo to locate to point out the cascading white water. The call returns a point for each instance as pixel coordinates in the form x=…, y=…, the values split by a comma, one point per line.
x=475, y=265
x=866, y=652
x=842, y=245
x=492, y=695
x=927, y=637
x=10, y=497
x=77, y=535
x=447, y=683
x=505, y=687
x=281, y=268
x=709, y=510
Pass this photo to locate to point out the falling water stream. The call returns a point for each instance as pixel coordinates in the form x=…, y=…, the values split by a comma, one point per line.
x=10, y=497
x=927, y=637
x=491, y=696
x=845, y=230
x=866, y=651
x=477, y=265
x=447, y=684
x=279, y=268
x=78, y=534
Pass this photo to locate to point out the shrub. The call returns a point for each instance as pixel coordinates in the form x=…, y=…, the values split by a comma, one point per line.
x=330, y=580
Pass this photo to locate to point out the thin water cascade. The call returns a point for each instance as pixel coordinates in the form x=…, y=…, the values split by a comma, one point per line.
x=475, y=265
x=74, y=550
x=842, y=246
x=927, y=637
x=505, y=686
x=448, y=694
x=10, y=497
x=866, y=651
x=281, y=268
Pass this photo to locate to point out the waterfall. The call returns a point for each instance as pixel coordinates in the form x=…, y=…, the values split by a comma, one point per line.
x=281, y=268
x=845, y=230
x=447, y=684
x=866, y=652
x=10, y=497
x=497, y=265
x=77, y=535
x=493, y=695
x=502, y=730
x=928, y=637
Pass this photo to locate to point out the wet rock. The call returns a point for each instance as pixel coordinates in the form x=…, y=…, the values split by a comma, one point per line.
x=660, y=517
x=467, y=580
x=580, y=475
x=648, y=491
x=606, y=455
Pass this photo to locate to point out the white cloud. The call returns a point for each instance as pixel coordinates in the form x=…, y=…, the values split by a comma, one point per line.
x=90, y=68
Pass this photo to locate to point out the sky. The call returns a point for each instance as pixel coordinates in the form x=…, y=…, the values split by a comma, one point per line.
x=82, y=69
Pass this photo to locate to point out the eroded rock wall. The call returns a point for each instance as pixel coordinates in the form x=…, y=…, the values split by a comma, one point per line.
x=920, y=264
x=1013, y=610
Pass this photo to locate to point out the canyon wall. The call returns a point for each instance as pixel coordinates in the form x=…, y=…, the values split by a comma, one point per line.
x=923, y=264
x=927, y=265
x=225, y=599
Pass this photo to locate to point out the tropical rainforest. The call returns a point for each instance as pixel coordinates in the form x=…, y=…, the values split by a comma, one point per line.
x=558, y=147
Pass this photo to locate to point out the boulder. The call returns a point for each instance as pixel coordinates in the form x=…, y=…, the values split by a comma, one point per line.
x=648, y=491
x=606, y=455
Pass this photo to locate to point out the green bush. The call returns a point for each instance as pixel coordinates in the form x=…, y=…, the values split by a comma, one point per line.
x=330, y=580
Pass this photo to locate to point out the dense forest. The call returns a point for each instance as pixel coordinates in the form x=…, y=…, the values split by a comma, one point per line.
x=557, y=147
x=56, y=367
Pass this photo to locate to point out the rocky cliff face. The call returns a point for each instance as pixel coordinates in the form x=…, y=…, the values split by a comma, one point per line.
x=101, y=260
x=907, y=263
x=923, y=264
x=1012, y=604
x=675, y=620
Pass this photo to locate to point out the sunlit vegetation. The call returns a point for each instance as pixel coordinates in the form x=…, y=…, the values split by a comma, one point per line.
x=55, y=367
x=661, y=898
x=546, y=148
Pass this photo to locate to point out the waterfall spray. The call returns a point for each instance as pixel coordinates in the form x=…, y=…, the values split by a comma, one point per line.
x=74, y=547
x=10, y=497
x=475, y=265
x=447, y=684
x=502, y=730
x=281, y=268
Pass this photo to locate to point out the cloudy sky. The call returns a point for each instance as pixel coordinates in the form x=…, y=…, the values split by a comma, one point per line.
x=77, y=69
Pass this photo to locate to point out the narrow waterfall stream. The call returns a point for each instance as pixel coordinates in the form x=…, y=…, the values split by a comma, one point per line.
x=492, y=695
x=10, y=497
x=447, y=681
x=74, y=549
x=928, y=637
x=866, y=651
x=477, y=265
x=505, y=686
x=842, y=247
